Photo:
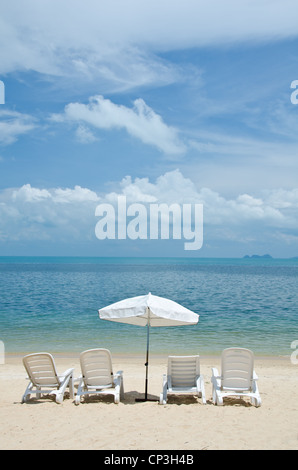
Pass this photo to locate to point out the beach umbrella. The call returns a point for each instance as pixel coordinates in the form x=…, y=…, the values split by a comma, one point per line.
x=150, y=311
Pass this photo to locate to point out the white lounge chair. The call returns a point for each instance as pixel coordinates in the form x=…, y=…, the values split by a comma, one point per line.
x=44, y=378
x=237, y=378
x=183, y=377
x=97, y=375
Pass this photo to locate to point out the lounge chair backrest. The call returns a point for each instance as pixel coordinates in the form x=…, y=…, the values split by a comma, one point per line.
x=41, y=369
x=237, y=366
x=183, y=370
x=96, y=365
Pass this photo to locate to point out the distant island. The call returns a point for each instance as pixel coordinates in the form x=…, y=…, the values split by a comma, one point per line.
x=257, y=256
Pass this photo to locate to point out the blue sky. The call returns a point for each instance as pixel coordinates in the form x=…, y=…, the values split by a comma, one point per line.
x=172, y=102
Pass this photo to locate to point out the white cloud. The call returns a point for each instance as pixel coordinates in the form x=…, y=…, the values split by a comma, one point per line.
x=104, y=39
x=14, y=124
x=76, y=195
x=68, y=214
x=84, y=135
x=283, y=199
x=29, y=194
x=245, y=209
x=140, y=122
x=29, y=213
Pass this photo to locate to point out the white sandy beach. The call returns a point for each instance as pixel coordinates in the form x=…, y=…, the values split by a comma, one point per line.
x=182, y=424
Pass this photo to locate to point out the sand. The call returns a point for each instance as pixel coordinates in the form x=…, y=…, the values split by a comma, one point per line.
x=183, y=424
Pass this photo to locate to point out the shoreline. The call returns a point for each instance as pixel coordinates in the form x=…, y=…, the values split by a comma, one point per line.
x=141, y=356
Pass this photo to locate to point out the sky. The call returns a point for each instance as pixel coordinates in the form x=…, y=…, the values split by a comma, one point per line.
x=163, y=102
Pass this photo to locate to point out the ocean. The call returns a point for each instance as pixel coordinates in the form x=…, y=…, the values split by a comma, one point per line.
x=51, y=304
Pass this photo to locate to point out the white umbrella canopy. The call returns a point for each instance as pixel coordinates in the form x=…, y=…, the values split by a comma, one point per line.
x=151, y=311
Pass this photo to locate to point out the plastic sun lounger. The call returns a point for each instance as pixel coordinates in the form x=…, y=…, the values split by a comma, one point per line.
x=44, y=378
x=237, y=378
x=97, y=375
x=183, y=377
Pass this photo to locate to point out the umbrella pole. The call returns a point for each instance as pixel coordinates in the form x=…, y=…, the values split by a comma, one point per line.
x=147, y=362
x=147, y=365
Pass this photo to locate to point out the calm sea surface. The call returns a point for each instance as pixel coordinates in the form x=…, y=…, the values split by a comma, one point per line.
x=50, y=304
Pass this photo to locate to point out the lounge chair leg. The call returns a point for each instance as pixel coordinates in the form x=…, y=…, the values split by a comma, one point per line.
x=203, y=391
x=163, y=395
x=59, y=398
x=27, y=394
x=213, y=395
x=78, y=399
x=25, y=397
x=219, y=400
x=256, y=401
x=162, y=400
x=79, y=392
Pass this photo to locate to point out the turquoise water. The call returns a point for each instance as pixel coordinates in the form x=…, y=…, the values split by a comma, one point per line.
x=51, y=303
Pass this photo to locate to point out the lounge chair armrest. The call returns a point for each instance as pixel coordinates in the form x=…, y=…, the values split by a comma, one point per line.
x=164, y=381
x=118, y=374
x=255, y=377
x=200, y=384
x=199, y=379
x=216, y=378
x=118, y=377
x=215, y=373
x=67, y=372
